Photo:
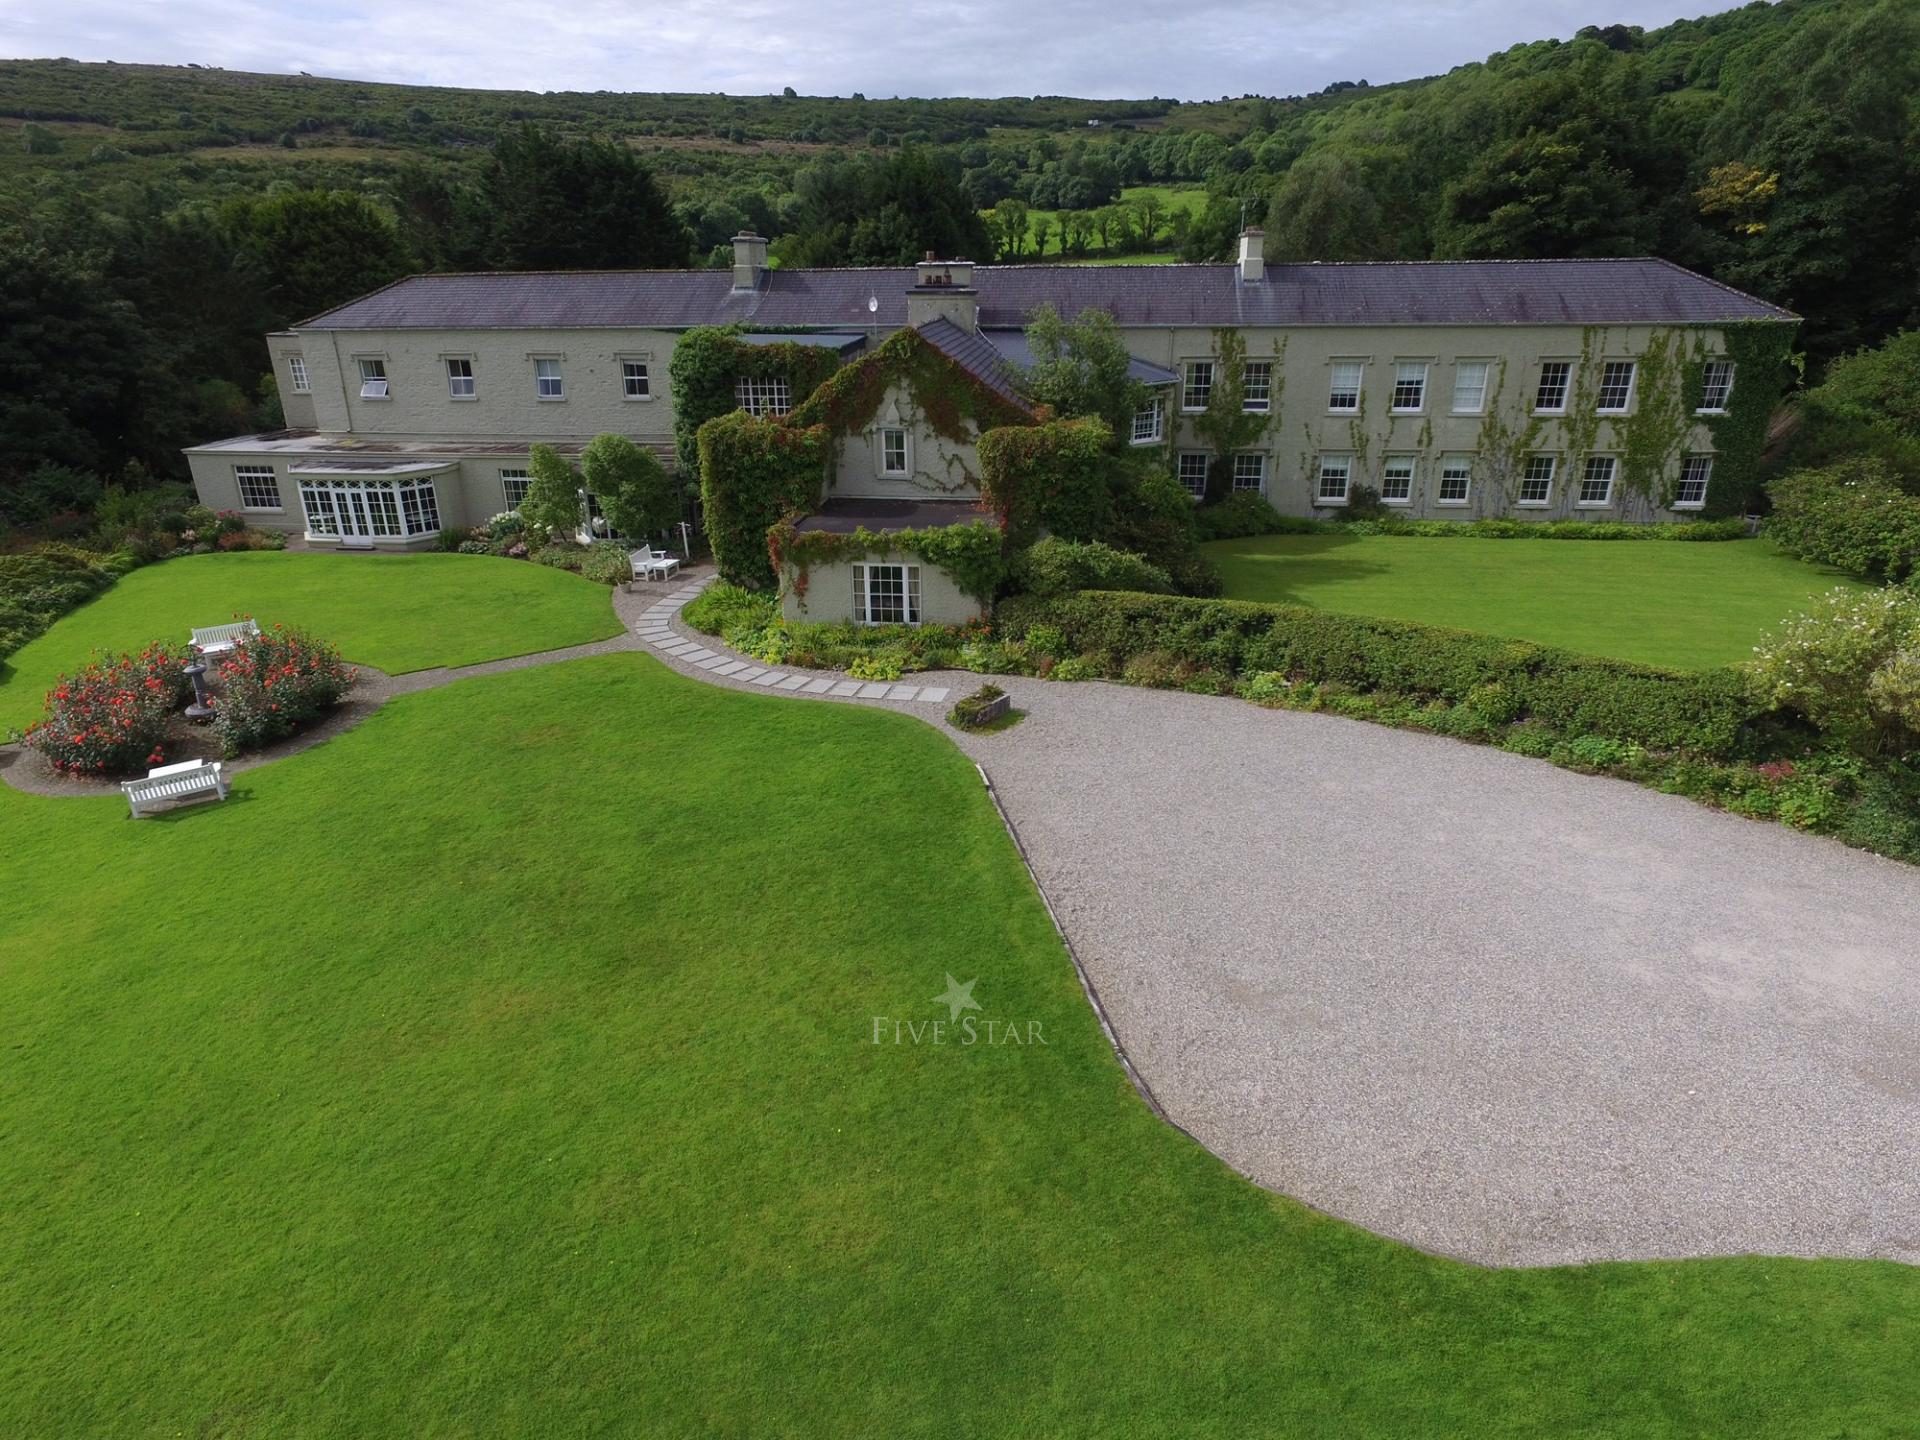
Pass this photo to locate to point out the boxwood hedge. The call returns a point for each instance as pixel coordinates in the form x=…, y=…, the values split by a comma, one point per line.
x=1703, y=712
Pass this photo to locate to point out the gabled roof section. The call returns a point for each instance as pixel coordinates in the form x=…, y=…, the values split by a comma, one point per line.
x=975, y=354
x=1437, y=292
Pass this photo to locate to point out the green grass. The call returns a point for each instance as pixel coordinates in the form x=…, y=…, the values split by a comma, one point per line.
x=505, y=1066
x=394, y=612
x=1687, y=605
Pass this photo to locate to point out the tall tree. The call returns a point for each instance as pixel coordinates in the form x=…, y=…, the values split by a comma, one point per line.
x=577, y=205
x=311, y=249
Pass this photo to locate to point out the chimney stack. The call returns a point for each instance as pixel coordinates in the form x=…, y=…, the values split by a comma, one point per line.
x=749, y=260
x=1253, y=265
x=943, y=289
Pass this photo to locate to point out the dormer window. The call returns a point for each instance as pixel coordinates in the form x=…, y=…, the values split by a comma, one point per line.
x=373, y=379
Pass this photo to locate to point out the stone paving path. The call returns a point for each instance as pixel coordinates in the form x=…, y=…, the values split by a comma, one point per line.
x=655, y=627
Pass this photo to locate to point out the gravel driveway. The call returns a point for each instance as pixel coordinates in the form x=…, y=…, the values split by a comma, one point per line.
x=1469, y=1000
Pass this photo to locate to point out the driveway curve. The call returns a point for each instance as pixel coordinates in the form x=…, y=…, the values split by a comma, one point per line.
x=1469, y=1000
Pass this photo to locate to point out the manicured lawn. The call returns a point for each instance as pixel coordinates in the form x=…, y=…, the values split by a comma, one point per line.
x=1687, y=605
x=506, y=1067
x=394, y=612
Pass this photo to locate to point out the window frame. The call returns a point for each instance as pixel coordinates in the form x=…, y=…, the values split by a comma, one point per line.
x=1344, y=458
x=882, y=435
x=627, y=365
x=1387, y=462
x=509, y=476
x=1394, y=407
x=1545, y=502
x=1359, y=368
x=1265, y=405
x=1190, y=382
x=762, y=395
x=1587, y=477
x=559, y=378
x=472, y=392
x=1151, y=408
x=1726, y=392
x=1625, y=407
x=243, y=473
x=1259, y=467
x=864, y=574
x=1566, y=387
x=298, y=376
x=1486, y=384
x=1206, y=469
x=372, y=370
x=1687, y=462
x=1447, y=462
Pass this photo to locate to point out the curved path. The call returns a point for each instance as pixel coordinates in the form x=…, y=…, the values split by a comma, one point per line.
x=1463, y=998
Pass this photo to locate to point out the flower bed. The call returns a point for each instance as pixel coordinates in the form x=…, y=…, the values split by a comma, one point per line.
x=276, y=684
x=111, y=717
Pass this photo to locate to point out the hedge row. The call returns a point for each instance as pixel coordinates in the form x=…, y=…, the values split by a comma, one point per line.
x=1242, y=516
x=39, y=586
x=1704, y=712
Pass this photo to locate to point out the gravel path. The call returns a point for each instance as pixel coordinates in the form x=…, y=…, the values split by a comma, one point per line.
x=1468, y=1000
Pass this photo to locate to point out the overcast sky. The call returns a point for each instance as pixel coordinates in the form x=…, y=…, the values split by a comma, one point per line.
x=1190, y=50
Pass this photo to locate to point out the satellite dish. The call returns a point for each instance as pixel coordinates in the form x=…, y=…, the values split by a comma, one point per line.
x=873, y=304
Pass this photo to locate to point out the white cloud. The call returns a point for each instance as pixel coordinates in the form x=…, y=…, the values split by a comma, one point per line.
x=1097, y=48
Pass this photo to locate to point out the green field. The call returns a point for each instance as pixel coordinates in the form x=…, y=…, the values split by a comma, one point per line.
x=1191, y=199
x=394, y=612
x=1690, y=605
x=507, y=1066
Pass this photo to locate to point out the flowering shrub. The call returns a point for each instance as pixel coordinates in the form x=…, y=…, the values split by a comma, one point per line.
x=277, y=683
x=1851, y=666
x=110, y=717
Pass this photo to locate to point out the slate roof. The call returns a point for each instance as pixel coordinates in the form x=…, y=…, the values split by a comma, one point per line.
x=1013, y=345
x=844, y=516
x=975, y=354
x=1438, y=292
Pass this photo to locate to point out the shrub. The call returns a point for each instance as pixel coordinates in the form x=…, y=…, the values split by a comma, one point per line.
x=110, y=717
x=1572, y=694
x=41, y=585
x=1853, y=515
x=753, y=473
x=605, y=563
x=631, y=485
x=880, y=665
x=1851, y=666
x=1243, y=514
x=1058, y=567
x=276, y=684
x=561, y=554
x=1053, y=476
x=551, y=506
x=451, y=538
x=1079, y=667
x=722, y=607
x=476, y=547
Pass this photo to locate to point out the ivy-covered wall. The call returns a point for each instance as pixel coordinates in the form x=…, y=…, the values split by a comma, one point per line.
x=707, y=362
x=1057, y=476
x=753, y=474
x=972, y=555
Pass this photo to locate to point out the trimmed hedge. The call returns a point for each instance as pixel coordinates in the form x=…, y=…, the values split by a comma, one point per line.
x=1853, y=515
x=1705, y=713
x=1059, y=567
x=1243, y=516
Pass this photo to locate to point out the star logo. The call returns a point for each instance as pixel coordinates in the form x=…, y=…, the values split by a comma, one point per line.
x=958, y=997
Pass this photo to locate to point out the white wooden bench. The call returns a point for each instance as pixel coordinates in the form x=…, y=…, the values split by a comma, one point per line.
x=189, y=780
x=219, y=639
x=651, y=564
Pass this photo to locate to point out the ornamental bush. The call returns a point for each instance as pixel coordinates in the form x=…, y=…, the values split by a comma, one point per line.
x=278, y=683
x=1058, y=567
x=1851, y=666
x=1853, y=515
x=1574, y=694
x=41, y=585
x=110, y=717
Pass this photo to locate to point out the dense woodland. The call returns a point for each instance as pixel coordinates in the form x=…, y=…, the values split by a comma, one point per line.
x=155, y=221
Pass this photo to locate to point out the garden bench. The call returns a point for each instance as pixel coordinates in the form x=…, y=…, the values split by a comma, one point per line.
x=219, y=639
x=191, y=779
x=651, y=564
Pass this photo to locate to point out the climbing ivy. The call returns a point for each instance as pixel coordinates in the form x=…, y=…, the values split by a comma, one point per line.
x=1053, y=476
x=1761, y=352
x=972, y=555
x=1652, y=439
x=753, y=473
x=1226, y=425
x=707, y=362
x=1506, y=440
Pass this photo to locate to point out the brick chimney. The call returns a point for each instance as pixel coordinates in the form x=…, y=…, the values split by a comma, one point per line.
x=749, y=260
x=1253, y=265
x=943, y=289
